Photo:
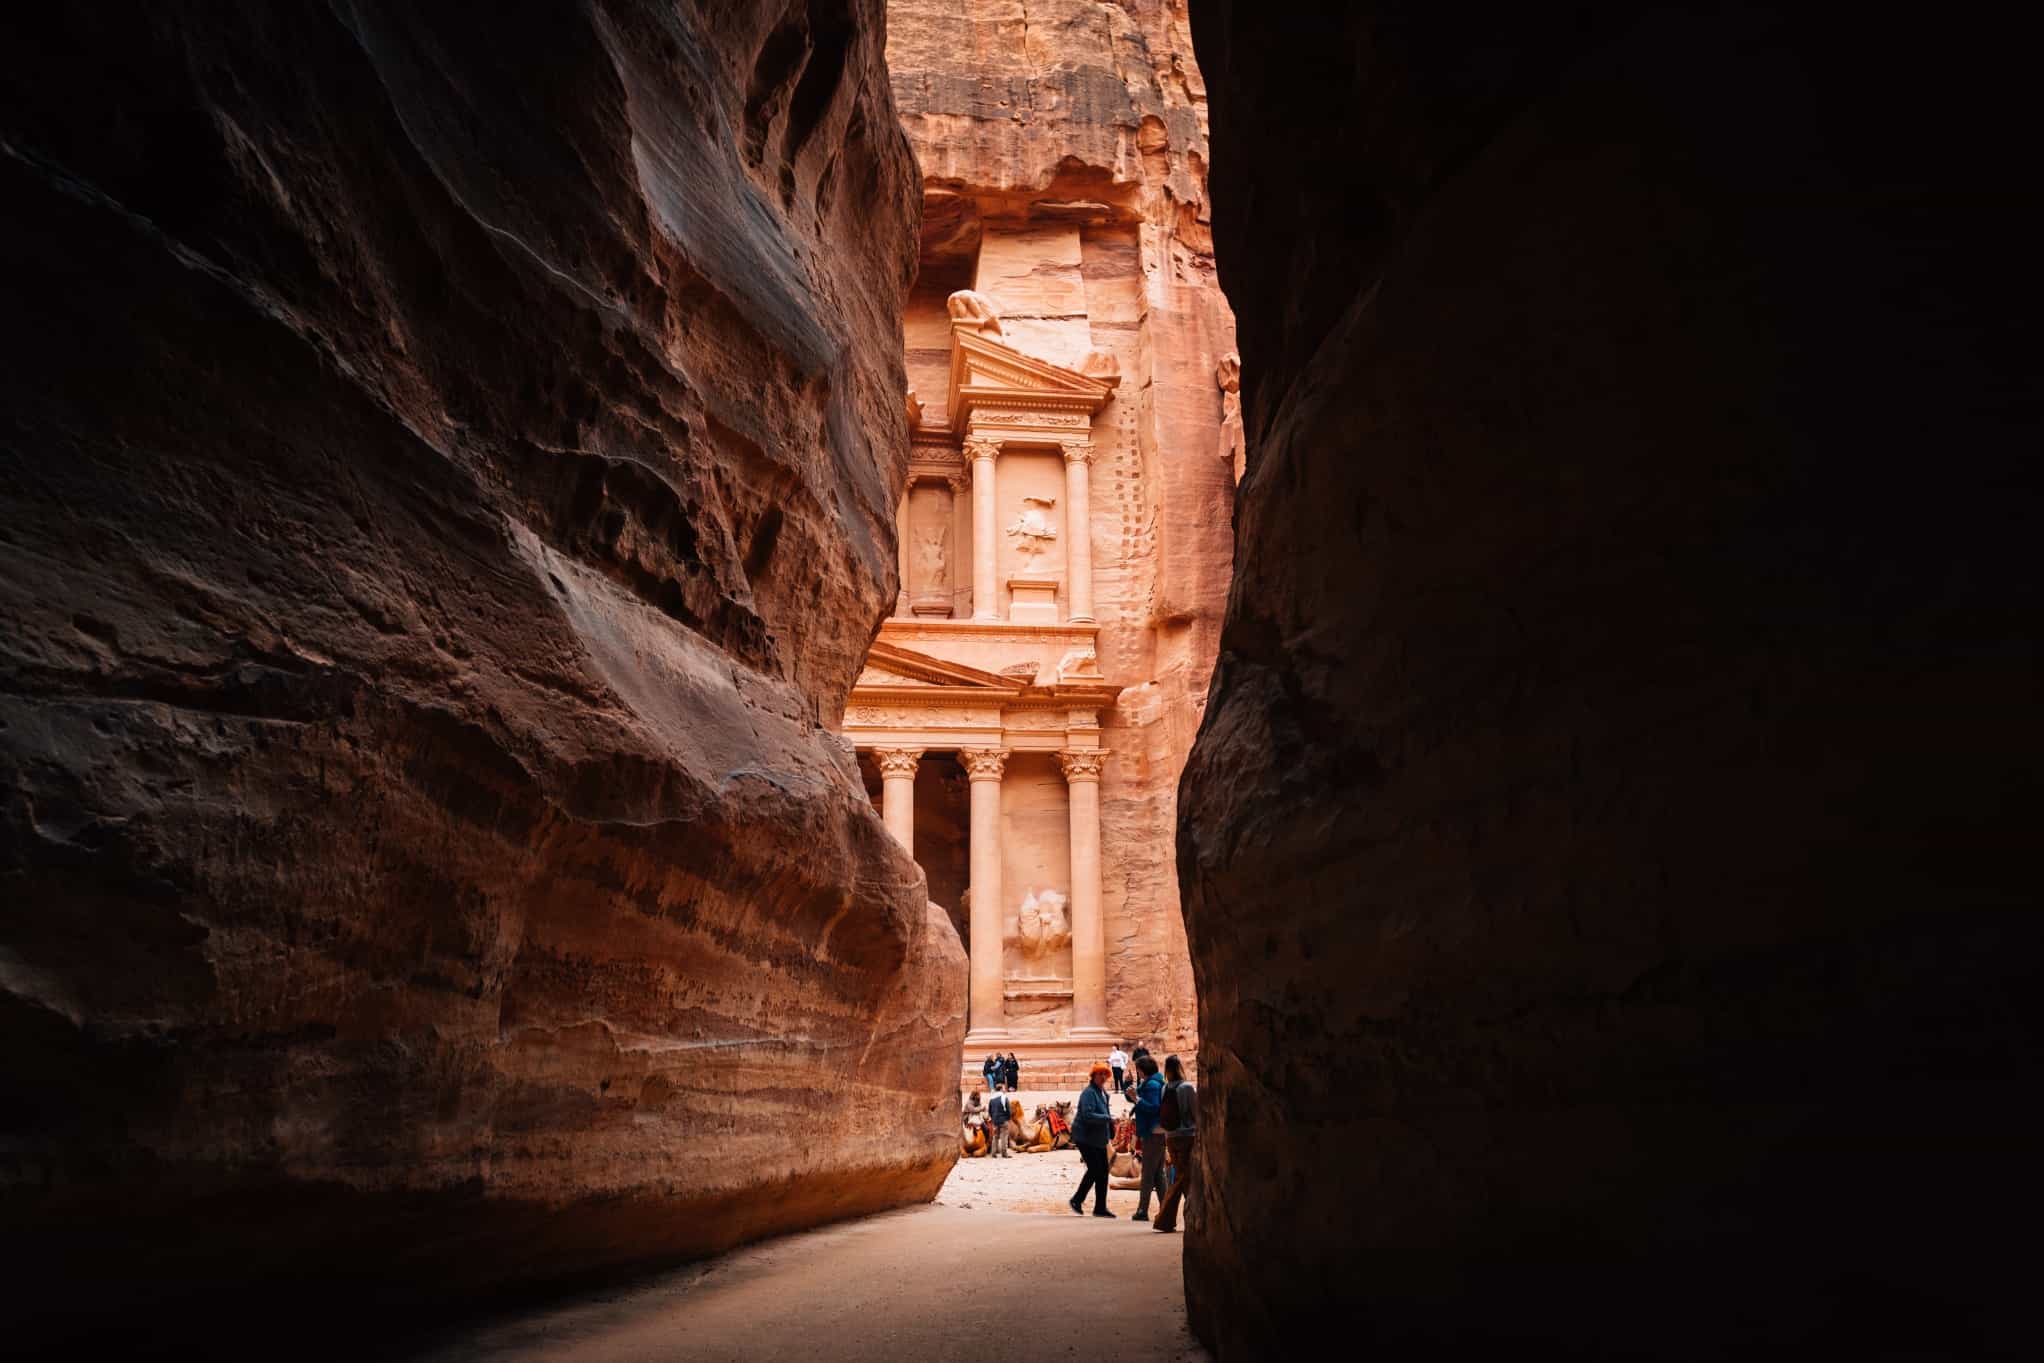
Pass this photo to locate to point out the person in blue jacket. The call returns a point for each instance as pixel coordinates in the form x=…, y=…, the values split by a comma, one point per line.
x=1149, y=1098
x=1092, y=1131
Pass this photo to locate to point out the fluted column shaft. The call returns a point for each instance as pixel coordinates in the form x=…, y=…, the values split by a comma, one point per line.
x=898, y=793
x=1079, y=530
x=1089, y=925
x=986, y=601
x=987, y=1017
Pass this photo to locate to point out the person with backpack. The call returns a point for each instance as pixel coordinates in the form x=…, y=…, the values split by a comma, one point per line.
x=1179, y=1113
x=1092, y=1129
x=1149, y=1101
x=999, y=1109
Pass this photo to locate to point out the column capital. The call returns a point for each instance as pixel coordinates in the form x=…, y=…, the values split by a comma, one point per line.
x=984, y=764
x=959, y=483
x=1077, y=451
x=982, y=447
x=1081, y=764
x=897, y=761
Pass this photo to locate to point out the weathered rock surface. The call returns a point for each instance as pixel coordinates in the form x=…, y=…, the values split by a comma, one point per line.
x=447, y=473
x=1063, y=145
x=1609, y=850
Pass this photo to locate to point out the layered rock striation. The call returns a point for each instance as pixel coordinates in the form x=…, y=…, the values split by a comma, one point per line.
x=1606, y=851
x=448, y=475
x=1064, y=155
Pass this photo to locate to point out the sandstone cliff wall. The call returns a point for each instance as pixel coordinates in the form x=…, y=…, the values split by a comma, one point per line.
x=1063, y=149
x=1607, y=854
x=448, y=466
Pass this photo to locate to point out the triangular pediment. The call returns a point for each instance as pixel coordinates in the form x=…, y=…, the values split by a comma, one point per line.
x=892, y=665
x=982, y=366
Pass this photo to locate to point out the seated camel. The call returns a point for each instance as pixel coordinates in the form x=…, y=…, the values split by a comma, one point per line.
x=972, y=1136
x=1039, y=1134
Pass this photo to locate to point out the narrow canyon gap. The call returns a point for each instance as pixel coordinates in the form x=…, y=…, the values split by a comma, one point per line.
x=448, y=461
x=1609, y=853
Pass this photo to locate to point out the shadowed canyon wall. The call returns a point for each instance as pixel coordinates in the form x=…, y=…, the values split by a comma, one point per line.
x=1063, y=150
x=448, y=467
x=1607, y=852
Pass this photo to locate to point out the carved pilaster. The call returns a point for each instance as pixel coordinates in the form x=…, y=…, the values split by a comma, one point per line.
x=1079, y=519
x=984, y=454
x=984, y=764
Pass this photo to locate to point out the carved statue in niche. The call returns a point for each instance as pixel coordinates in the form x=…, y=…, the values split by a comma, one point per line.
x=930, y=545
x=1044, y=929
x=933, y=553
x=1032, y=530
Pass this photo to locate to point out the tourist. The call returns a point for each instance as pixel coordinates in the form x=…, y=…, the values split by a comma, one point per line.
x=1179, y=1112
x=990, y=1070
x=1117, y=1062
x=1135, y=1060
x=998, y=1111
x=1092, y=1129
x=1149, y=1099
x=1012, y=1072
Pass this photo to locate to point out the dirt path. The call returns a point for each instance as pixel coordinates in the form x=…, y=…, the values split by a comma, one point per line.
x=897, y=1288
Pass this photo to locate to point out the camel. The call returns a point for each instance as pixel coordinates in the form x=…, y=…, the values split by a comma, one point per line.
x=1034, y=1136
x=972, y=1137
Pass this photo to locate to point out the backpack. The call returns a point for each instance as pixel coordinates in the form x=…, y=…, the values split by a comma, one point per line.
x=997, y=1110
x=1167, y=1114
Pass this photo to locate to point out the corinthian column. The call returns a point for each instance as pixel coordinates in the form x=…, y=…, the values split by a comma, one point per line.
x=987, y=1018
x=1089, y=927
x=1079, y=530
x=985, y=527
x=898, y=793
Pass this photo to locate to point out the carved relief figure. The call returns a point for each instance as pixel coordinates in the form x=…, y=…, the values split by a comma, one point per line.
x=1032, y=530
x=933, y=554
x=1044, y=929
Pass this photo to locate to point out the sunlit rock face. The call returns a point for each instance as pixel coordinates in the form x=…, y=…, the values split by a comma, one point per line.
x=447, y=476
x=1608, y=854
x=1064, y=155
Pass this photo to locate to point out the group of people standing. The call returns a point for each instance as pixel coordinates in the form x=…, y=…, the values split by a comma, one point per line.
x=1166, y=1115
x=1002, y=1073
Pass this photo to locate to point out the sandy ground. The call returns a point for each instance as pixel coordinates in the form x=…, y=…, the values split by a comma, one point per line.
x=895, y=1287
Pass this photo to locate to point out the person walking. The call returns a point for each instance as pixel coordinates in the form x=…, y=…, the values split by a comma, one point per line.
x=1117, y=1062
x=1092, y=1129
x=1149, y=1101
x=1180, y=1109
x=1012, y=1072
x=998, y=1112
